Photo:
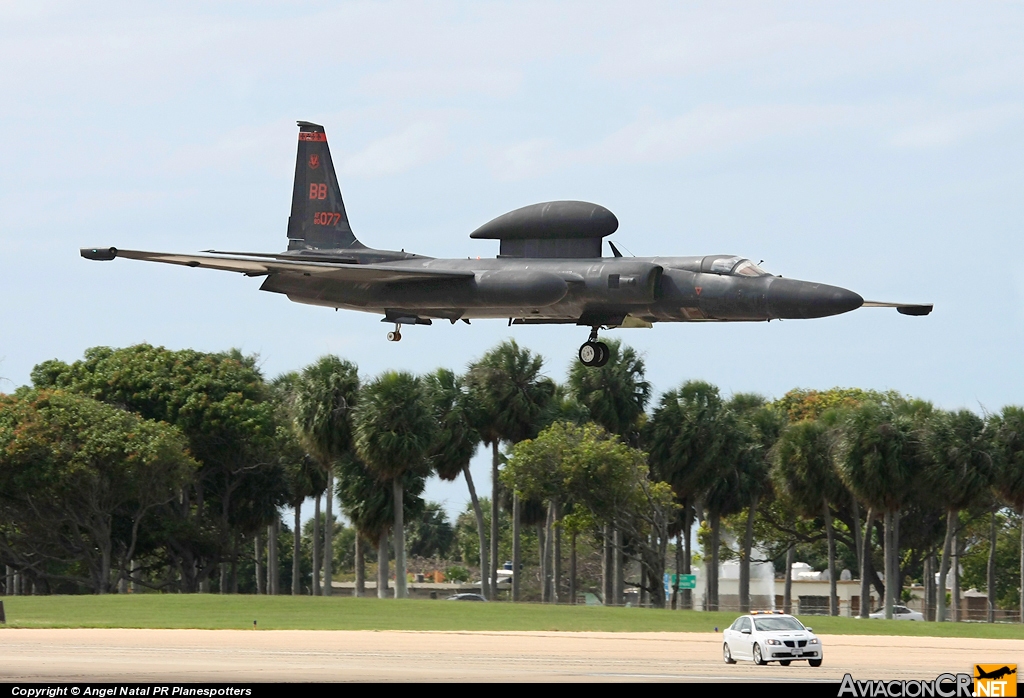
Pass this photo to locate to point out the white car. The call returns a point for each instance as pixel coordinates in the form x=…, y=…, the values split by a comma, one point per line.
x=898, y=613
x=770, y=636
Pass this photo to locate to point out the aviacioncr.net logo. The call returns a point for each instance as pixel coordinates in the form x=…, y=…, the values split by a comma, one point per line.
x=995, y=680
x=942, y=686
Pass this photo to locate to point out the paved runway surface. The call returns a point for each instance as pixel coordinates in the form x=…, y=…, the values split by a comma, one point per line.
x=296, y=655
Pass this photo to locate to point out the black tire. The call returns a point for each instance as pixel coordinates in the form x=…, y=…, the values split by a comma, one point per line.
x=590, y=353
x=605, y=354
x=726, y=654
x=758, y=659
x=786, y=662
x=814, y=662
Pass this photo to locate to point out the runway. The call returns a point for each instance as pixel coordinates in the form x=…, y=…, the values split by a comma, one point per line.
x=81, y=655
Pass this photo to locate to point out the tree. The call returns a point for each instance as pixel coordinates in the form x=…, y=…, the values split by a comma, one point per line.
x=609, y=482
x=220, y=403
x=302, y=475
x=762, y=425
x=370, y=508
x=615, y=394
x=879, y=458
x=431, y=534
x=454, y=412
x=325, y=396
x=394, y=432
x=688, y=441
x=829, y=406
x=960, y=468
x=78, y=478
x=805, y=473
x=1008, y=442
x=512, y=396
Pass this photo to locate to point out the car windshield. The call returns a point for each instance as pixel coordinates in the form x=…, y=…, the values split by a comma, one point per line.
x=770, y=624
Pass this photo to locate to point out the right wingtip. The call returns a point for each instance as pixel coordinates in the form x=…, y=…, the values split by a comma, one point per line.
x=100, y=254
x=914, y=309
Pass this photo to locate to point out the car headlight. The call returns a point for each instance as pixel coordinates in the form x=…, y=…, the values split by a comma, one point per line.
x=812, y=641
x=772, y=641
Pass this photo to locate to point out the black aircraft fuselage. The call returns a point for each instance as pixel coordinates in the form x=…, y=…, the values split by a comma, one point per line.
x=550, y=269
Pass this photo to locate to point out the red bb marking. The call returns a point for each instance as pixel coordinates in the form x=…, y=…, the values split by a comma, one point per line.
x=317, y=191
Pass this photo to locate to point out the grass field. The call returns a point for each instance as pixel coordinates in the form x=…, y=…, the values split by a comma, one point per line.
x=347, y=613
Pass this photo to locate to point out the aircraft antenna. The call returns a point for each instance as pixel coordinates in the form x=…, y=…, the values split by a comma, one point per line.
x=625, y=248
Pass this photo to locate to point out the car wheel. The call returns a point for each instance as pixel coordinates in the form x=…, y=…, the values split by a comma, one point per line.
x=727, y=655
x=786, y=662
x=814, y=662
x=758, y=659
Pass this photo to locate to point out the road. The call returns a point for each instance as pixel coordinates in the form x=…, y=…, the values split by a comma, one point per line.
x=78, y=655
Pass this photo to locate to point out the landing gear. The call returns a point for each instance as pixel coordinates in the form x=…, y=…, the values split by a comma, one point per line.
x=395, y=336
x=593, y=352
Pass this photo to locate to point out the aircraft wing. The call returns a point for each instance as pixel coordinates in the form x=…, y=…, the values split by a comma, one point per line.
x=901, y=308
x=262, y=266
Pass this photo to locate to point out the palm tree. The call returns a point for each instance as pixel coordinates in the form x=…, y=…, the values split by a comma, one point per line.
x=456, y=442
x=805, y=473
x=763, y=425
x=394, y=433
x=615, y=394
x=370, y=508
x=304, y=479
x=688, y=439
x=961, y=469
x=879, y=458
x=325, y=396
x=1008, y=440
x=512, y=395
x=302, y=475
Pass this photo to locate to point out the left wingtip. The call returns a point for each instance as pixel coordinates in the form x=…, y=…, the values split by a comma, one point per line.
x=101, y=254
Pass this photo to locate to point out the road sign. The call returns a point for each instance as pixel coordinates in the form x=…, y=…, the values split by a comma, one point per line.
x=686, y=581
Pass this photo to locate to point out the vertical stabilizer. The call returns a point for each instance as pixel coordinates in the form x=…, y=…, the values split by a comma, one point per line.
x=318, y=219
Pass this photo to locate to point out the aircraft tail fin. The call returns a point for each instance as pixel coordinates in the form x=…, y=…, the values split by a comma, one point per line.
x=318, y=219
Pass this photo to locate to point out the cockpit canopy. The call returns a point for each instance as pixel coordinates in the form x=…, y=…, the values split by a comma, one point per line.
x=730, y=266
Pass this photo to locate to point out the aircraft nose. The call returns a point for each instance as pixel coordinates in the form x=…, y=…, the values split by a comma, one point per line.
x=792, y=299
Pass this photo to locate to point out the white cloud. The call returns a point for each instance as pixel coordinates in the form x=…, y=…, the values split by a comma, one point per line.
x=523, y=159
x=418, y=143
x=236, y=148
x=443, y=82
x=953, y=128
x=708, y=128
x=652, y=138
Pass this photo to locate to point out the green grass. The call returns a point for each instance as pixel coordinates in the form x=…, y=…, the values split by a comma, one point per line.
x=346, y=613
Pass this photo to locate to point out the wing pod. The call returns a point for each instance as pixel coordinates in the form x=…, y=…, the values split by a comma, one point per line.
x=100, y=254
x=519, y=288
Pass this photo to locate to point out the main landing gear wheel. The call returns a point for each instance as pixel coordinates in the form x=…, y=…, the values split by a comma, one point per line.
x=594, y=354
x=395, y=336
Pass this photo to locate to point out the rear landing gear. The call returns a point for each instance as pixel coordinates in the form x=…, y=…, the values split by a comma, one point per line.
x=593, y=352
x=395, y=336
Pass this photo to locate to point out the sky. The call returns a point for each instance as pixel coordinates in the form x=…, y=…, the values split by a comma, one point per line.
x=873, y=146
